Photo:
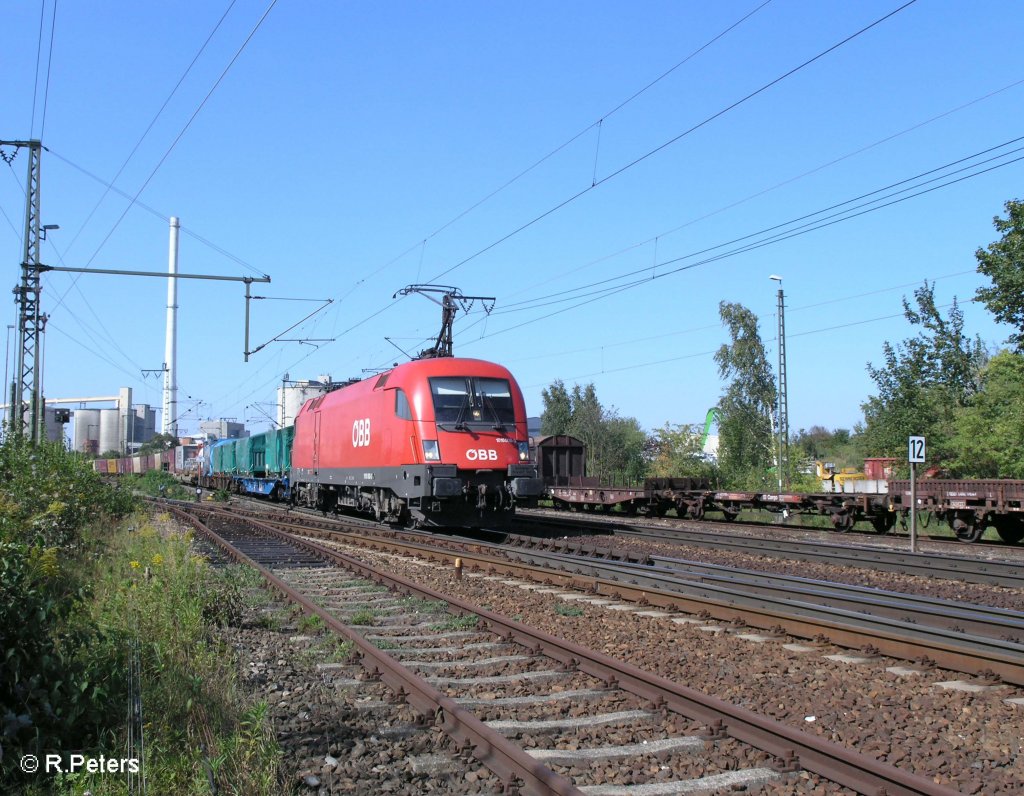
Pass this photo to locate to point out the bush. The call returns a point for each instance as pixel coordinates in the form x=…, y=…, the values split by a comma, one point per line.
x=59, y=673
x=47, y=494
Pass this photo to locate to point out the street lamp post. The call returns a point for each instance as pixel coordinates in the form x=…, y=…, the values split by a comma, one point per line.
x=782, y=424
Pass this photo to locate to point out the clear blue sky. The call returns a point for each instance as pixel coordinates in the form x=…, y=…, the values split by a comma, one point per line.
x=342, y=148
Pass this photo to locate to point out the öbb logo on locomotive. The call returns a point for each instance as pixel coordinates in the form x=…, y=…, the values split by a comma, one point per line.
x=482, y=455
x=361, y=433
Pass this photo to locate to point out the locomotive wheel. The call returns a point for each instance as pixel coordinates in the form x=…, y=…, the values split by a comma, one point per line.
x=1010, y=528
x=883, y=523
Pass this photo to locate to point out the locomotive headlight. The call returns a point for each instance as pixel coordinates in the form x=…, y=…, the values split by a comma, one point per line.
x=431, y=452
x=524, y=451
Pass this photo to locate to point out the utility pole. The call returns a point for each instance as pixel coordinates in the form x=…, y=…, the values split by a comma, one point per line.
x=26, y=405
x=782, y=426
x=25, y=384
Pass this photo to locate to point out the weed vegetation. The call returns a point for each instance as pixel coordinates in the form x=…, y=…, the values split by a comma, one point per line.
x=109, y=644
x=157, y=483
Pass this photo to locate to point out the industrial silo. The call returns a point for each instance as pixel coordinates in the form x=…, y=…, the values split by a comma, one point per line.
x=292, y=395
x=87, y=430
x=110, y=430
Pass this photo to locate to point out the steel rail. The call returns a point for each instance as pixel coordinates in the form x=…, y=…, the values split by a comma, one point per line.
x=507, y=760
x=954, y=650
x=944, y=618
x=962, y=568
x=796, y=748
x=848, y=629
x=960, y=618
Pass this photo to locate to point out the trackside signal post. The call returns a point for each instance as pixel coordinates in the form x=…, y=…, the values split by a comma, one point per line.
x=916, y=456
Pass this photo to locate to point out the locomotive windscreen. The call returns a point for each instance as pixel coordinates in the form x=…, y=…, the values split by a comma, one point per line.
x=471, y=399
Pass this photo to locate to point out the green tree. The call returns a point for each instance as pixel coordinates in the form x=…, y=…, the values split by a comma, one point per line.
x=587, y=423
x=159, y=443
x=1003, y=263
x=989, y=440
x=745, y=450
x=676, y=451
x=923, y=382
x=621, y=454
x=615, y=445
x=557, y=413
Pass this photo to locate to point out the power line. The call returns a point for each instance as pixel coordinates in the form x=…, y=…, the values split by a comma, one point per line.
x=49, y=63
x=750, y=247
x=572, y=139
x=670, y=142
x=788, y=181
x=557, y=298
x=640, y=159
x=165, y=217
x=184, y=129
x=695, y=355
x=153, y=121
x=707, y=327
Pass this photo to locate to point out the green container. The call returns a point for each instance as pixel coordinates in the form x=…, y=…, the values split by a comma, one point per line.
x=279, y=450
x=243, y=456
x=225, y=458
x=287, y=437
x=252, y=457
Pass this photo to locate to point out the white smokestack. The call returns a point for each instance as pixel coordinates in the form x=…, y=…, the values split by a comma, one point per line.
x=170, y=420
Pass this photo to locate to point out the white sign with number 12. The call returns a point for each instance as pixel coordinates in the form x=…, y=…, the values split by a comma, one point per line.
x=916, y=450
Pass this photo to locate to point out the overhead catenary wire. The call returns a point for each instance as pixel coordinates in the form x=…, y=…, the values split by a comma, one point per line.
x=650, y=153
x=165, y=217
x=145, y=133
x=184, y=129
x=698, y=354
x=707, y=327
x=645, y=156
x=421, y=251
x=604, y=293
x=643, y=275
x=655, y=239
x=556, y=150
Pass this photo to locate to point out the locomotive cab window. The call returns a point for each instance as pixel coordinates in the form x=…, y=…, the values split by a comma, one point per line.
x=465, y=400
x=402, y=408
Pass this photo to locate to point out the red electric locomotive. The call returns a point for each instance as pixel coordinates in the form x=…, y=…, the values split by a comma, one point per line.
x=438, y=441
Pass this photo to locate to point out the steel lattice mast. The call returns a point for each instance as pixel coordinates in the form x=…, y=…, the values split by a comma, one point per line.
x=783, y=403
x=26, y=403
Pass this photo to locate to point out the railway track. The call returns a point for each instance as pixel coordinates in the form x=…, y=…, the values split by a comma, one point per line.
x=971, y=639
x=1008, y=572
x=499, y=687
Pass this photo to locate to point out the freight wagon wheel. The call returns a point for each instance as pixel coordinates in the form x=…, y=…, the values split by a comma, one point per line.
x=841, y=521
x=966, y=526
x=1010, y=528
x=730, y=516
x=882, y=523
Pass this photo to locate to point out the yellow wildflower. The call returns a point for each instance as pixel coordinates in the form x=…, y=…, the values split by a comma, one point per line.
x=134, y=564
x=158, y=560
